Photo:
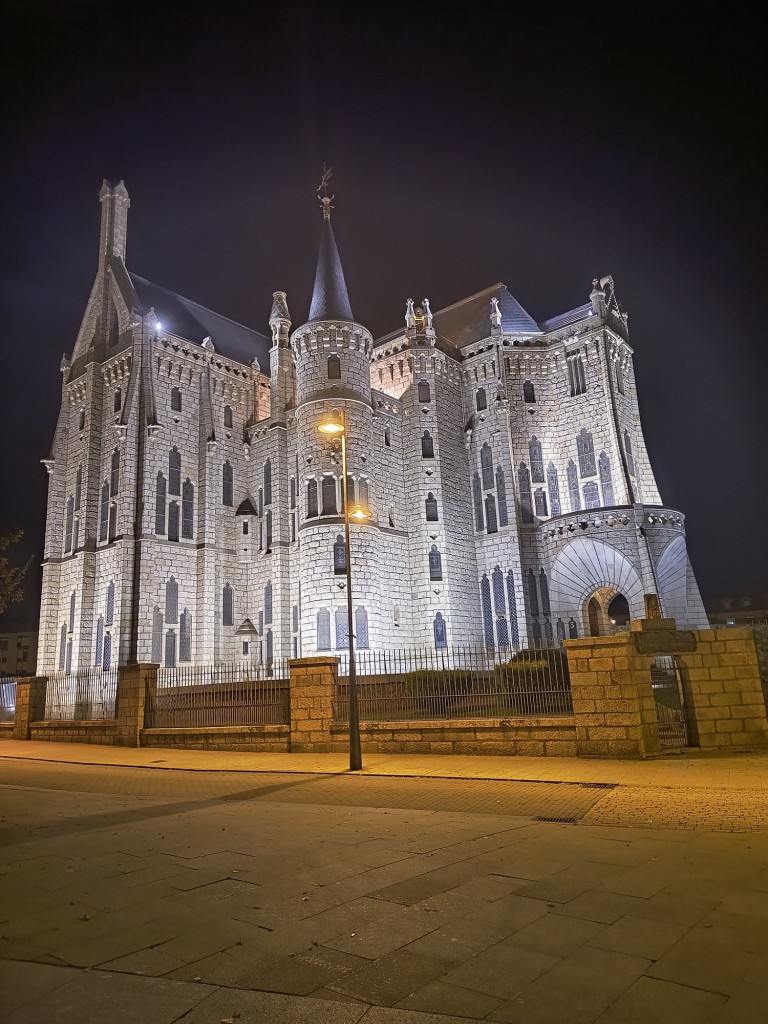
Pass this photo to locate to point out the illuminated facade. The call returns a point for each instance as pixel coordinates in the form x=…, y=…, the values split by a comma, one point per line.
x=194, y=509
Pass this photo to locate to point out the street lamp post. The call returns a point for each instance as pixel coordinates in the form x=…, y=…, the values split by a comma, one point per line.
x=336, y=426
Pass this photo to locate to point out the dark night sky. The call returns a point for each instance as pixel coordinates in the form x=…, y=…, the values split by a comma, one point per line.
x=537, y=144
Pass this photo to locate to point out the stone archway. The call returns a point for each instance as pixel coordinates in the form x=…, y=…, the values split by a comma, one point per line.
x=588, y=568
x=605, y=612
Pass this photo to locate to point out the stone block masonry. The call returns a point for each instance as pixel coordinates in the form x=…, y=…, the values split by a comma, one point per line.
x=311, y=695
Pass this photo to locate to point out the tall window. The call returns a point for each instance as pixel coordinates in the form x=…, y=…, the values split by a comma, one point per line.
x=172, y=601
x=486, y=466
x=76, y=535
x=387, y=438
x=175, y=400
x=501, y=494
x=328, y=494
x=187, y=510
x=227, y=484
x=62, y=646
x=524, y=490
x=585, y=447
x=560, y=630
x=537, y=460
x=268, y=603
x=99, y=640
x=554, y=489
x=485, y=603
x=78, y=487
x=117, y=401
x=311, y=499
x=334, y=368
x=72, y=605
x=227, y=606
x=114, y=474
x=295, y=618
x=268, y=530
x=109, y=616
x=440, y=632
x=350, y=492
x=619, y=377
x=435, y=563
x=361, y=628
x=185, y=636
x=104, y=512
x=112, y=521
x=606, y=479
x=157, y=635
x=339, y=556
x=529, y=392
x=174, y=471
x=342, y=629
x=107, y=652
x=477, y=499
x=573, y=486
x=170, y=649
x=68, y=524
x=173, y=521
x=514, y=629
x=481, y=399
x=227, y=423
x=628, y=452
x=268, y=482
x=323, y=630
x=544, y=589
x=427, y=445
x=573, y=630
x=591, y=495
x=492, y=523
x=540, y=502
x=499, y=607
x=362, y=492
x=292, y=491
x=533, y=594
x=160, y=504
x=425, y=393
x=577, y=381
x=430, y=507
x=81, y=424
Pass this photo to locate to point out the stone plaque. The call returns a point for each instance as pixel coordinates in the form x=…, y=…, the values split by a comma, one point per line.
x=662, y=641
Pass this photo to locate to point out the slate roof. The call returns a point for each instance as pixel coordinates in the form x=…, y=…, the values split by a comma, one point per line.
x=187, y=319
x=330, y=300
x=564, y=319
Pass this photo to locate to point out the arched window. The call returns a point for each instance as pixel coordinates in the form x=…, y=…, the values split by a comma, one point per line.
x=573, y=630
x=361, y=628
x=172, y=601
x=328, y=495
x=174, y=471
x=112, y=521
x=227, y=423
x=187, y=510
x=76, y=535
x=577, y=381
x=554, y=489
x=68, y=524
x=160, y=504
x=175, y=400
x=342, y=629
x=425, y=393
x=524, y=490
x=427, y=445
x=573, y=486
x=99, y=640
x=560, y=630
x=548, y=635
x=109, y=616
x=514, y=631
x=185, y=636
x=435, y=563
x=106, y=654
x=292, y=489
x=477, y=499
x=529, y=392
x=485, y=602
x=540, y=502
x=170, y=649
x=430, y=507
x=619, y=377
x=227, y=606
x=606, y=479
x=72, y=605
x=173, y=521
x=268, y=603
x=628, y=452
x=339, y=556
x=78, y=487
x=500, y=608
x=544, y=588
x=586, y=451
x=268, y=531
x=486, y=466
x=501, y=494
x=334, y=368
x=269, y=647
x=311, y=499
x=591, y=495
x=268, y=482
x=62, y=646
x=492, y=523
x=81, y=424
x=481, y=399
x=104, y=512
x=362, y=492
x=323, y=630
x=117, y=401
x=114, y=475
x=533, y=594
x=157, y=635
x=537, y=460
x=387, y=438
x=440, y=632
x=227, y=484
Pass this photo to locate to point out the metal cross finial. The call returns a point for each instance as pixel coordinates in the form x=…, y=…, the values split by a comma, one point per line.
x=325, y=199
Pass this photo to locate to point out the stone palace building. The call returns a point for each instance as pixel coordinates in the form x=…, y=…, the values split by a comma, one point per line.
x=194, y=510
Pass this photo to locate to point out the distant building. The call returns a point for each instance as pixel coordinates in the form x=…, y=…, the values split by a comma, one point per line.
x=194, y=510
x=18, y=653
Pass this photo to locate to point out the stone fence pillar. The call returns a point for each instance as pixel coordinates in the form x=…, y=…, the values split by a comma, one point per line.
x=136, y=685
x=30, y=704
x=312, y=683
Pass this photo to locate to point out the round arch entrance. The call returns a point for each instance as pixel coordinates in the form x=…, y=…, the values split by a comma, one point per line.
x=606, y=611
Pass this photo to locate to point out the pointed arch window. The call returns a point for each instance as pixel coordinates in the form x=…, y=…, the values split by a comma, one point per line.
x=323, y=630
x=104, y=512
x=81, y=424
x=591, y=495
x=292, y=491
x=268, y=482
x=170, y=649
x=477, y=499
x=227, y=484
x=491, y=521
x=157, y=635
x=78, y=487
x=524, y=490
x=268, y=531
x=328, y=495
x=172, y=601
x=619, y=377
x=537, y=460
x=76, y=534
x=485, y=603
x=339, y=556
x=577, y=381
x=435, y=563
x=481, y=399
x=573, y=630
x=554, y=489
x=606, y=478
x=268, y=603
x=486, y=466
x=107, y=652
x=342, y=629
x=573, y=486
x=440, y=632
x=173, y=521
x=185, y=636
x=560, y=631
x=187, y=510
x=499, y=602
x=311, y=499
x=174, y=471
x=175, y=400
x=430, y=508
x=72, y=605
x=112, y=521
x=533, y=594
x=114, y=474
x=514, y=629
x=387, y=438
x=361, y=628
x=628, y=452
x=227, y=606
x=427, y=445
x=501, y=494
x=585, y=448
x=544, y=589
x=99, y=641
x=109, y=616
x=160, y=490
x=62, y=646
x=227, y=423
x=334, y=368
x=529, y=392
x=68, y=524
x=425, y=392
x=117, y=401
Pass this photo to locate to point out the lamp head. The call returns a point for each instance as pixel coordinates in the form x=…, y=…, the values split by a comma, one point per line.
x=331, y=424
x=359, y=513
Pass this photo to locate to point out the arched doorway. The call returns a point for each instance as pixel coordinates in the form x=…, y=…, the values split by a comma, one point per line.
x=606, y=611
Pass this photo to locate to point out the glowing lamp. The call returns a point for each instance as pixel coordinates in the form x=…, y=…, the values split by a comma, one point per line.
x=331, y=425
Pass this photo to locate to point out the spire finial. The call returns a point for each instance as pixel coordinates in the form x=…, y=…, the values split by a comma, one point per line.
x=325, y=199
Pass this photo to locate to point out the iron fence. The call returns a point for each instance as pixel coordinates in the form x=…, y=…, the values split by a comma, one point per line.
x=85, y=695
x=7, y=698
x=223, y=694
x=460, y=682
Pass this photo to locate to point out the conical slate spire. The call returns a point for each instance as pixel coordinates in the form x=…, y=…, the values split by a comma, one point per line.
x=329, y=298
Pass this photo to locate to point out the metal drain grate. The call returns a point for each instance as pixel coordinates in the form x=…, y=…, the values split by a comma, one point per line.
x=560, y=821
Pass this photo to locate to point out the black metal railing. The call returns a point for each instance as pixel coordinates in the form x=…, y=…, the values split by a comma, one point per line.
x=85, y=695
x=460, y=682
x=224, y=694
x=7, y=698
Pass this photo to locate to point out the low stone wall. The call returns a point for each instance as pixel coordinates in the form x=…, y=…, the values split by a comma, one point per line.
x=258, y=739
x=545, y=736
x=6, y=730
x=104, y=733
